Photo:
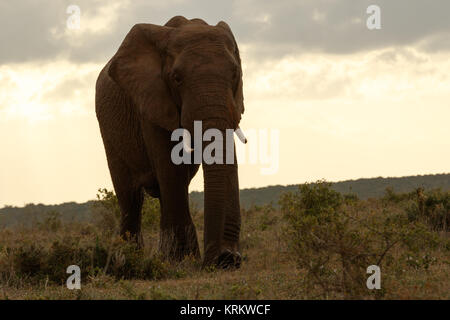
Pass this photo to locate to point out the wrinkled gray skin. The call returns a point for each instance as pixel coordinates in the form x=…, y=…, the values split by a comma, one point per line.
x=163, y=78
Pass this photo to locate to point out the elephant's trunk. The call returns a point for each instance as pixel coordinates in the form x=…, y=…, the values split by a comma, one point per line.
x=222, y=210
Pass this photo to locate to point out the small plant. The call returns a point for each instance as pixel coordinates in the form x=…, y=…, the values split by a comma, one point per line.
x=391, y=196
x=52, y=221
x=437, y=209
x=431, y=207
x=28, y=260
x=267, y=217
x=107, y=211
x=150, y=213
x=63, y=254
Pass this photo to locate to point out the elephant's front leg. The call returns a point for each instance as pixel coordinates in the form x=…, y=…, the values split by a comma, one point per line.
x=178, y=236
x=232, y=225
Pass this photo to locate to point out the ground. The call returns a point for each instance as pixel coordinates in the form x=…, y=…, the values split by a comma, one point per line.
x=270, y=270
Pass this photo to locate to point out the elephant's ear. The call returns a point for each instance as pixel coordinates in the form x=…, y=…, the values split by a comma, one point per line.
x=137, y=69
x=239, y=95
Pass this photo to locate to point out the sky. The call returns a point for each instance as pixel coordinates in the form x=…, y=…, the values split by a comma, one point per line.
x=325, y=97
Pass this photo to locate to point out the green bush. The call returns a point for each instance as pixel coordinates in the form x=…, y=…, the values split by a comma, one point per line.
x=431, y=207
x=52, y=221
x=150, y=213
x=63, y=254
x=437, y=209
x=129, y=262
x=391, y=196
x=111, y=256
x=28, y=260
x=335, y=243
x=107, y=211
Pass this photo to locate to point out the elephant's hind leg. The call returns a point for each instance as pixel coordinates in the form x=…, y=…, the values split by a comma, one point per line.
x=130, y=197
x=130, y=201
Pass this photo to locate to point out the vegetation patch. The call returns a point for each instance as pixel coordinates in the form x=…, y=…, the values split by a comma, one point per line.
x=335, y=238
x=317, y=245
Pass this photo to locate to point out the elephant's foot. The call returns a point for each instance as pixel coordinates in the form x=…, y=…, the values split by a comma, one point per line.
x=223, y=256
x=177, y=252
x=177, y=247
x=228, y=259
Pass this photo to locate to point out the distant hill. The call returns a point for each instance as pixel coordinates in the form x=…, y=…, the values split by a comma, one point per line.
x=32, y=213
x=363, y=188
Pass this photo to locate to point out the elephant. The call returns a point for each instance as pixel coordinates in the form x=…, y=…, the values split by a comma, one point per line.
x=163, y=78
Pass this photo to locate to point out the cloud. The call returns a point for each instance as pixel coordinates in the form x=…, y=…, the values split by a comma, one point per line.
x=338, y=26
x=36, y=30
x=389, y=72
x=40, y=92
x=384, y=94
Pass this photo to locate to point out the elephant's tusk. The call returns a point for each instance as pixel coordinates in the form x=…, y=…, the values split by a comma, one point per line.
x=187, y=141
x=240, y=135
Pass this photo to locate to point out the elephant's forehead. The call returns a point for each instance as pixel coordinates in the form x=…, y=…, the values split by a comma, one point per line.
x=196, y=35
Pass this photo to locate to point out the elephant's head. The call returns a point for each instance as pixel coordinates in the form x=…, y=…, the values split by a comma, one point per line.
x=176, y=74
x=181, y=72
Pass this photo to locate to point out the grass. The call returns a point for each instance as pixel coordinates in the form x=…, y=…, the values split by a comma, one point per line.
x=33, y=260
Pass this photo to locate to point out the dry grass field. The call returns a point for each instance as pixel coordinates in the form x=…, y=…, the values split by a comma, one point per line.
x=316, y=246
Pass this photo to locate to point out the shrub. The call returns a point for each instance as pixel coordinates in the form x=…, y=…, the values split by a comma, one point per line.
x=150, y=213
x=431, y=207
x=52, y=221
x=28, y=260
x=335, y=244
x=107, y=211
x=437, y=209
x=63, y=254
x=391, y=196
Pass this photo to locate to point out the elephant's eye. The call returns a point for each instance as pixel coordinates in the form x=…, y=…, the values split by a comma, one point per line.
x=177, y=78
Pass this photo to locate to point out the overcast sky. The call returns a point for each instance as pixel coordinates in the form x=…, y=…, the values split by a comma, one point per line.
x=348, y=102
